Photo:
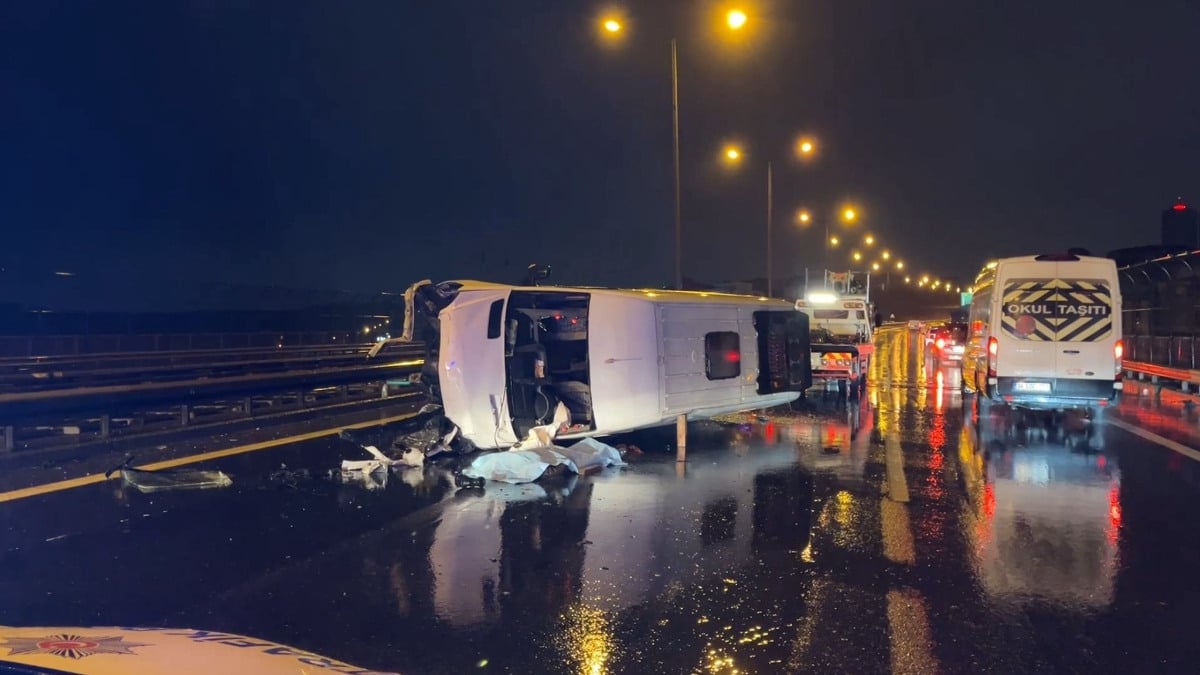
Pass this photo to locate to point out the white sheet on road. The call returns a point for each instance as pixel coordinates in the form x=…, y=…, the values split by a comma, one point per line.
x=524, y=466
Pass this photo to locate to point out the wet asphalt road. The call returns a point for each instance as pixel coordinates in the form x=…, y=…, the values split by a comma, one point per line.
x=889, y=535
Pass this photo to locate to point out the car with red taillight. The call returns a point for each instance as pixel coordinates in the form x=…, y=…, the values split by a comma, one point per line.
x=947, y=345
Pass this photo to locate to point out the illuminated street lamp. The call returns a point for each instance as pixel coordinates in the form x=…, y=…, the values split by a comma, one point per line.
x=885, y=255
x=856, y=255
x=869, y=240
x=806, y=147
x=733, y=155
x=899, y=264
x=875, y=267
x=907, y=279
x=849, y=214
x=612, y=27
x=834, y=241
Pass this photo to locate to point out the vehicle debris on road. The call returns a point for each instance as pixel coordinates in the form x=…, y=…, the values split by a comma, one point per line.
x=169, y=479
x=429, y=432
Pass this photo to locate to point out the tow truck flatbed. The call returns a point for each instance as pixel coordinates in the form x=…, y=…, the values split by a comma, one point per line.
x=841, y=330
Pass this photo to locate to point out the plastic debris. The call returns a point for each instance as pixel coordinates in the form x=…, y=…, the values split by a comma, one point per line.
x=629, y=450
x=371, y=480
x=378, y=462
x=413, y=476
x=429, y=432
x=170, y=479
x=543, y=436
x=294, y=478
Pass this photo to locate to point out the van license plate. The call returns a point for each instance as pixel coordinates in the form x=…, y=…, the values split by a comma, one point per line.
x=1038, y=387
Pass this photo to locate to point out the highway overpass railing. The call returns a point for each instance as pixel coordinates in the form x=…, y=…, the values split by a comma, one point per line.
x=13, y=346
x=1175, y=359
x=62, y=394
x=1174, y=352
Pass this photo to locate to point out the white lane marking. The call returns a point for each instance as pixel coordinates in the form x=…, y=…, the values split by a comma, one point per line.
x=1155, y=438
x=909, y=640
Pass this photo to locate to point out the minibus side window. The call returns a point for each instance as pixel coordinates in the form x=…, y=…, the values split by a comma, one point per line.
x=495, y=319
x=722, y=355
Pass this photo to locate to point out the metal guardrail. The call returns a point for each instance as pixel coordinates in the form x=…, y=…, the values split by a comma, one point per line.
x=60, y=372
x=1184, y=376
x=78, y=345
x=1172, y=351
x=176, y=355
x=20, y=407
x=182, y=399
x=41, y=392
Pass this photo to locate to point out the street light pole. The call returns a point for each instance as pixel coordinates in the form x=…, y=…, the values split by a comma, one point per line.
x=770, y=257
x=825, y=250
x=675, y=135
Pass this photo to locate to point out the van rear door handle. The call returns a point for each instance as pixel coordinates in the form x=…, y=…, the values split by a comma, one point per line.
x=1070, y=351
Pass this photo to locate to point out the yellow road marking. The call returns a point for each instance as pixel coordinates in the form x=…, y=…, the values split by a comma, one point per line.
x=897, y=532
x=897, y=484
x=93, y=478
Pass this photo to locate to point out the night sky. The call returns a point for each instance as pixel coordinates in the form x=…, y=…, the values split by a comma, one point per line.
x=364, y=145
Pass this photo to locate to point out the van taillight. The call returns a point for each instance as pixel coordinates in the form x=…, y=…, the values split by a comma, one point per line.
x=1118, y=354
x=993, y=350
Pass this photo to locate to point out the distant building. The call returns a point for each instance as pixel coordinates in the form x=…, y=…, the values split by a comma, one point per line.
x=1180, y=232
x=1179, y=226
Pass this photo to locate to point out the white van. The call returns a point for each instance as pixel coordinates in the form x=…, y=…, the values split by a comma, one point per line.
x=501, y=357
x=1045, y=332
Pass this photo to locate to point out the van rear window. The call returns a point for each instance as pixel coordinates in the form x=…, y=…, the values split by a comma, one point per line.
x=831, y=314
x=1057, y=310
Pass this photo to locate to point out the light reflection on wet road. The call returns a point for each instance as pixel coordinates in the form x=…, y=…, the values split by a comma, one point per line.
x=887, y=535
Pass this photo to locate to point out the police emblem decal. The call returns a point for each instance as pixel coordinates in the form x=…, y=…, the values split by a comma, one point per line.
x=67, y=646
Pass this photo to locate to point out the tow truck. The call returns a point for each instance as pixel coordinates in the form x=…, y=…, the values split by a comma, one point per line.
x=841, y=330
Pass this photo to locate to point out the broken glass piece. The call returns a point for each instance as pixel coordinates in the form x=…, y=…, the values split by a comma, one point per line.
x=174, y=479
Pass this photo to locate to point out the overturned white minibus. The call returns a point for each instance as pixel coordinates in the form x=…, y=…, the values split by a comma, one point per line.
x=501, y=357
